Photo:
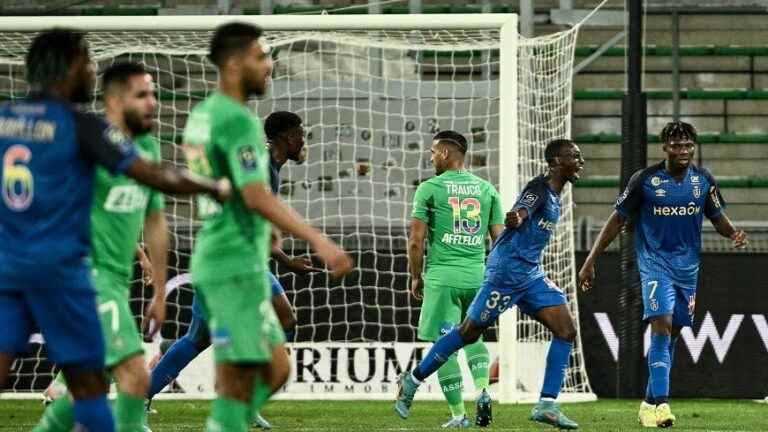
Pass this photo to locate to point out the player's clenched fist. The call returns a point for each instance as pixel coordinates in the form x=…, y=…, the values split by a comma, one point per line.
x=513, y=219
x=417, y=288
x=586, y=276
x=739, y=239
x=338, y=262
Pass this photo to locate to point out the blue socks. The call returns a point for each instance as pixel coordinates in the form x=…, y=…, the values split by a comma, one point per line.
x=177, y=358
x=649, y=399
x=659, y=364
x=557, y=363
x=94, y=415
x=439, y=354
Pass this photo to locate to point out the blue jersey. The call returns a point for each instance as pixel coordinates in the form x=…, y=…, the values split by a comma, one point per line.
x=49, y=151
x=516, y=255
x=274, y=174
x=667, y=216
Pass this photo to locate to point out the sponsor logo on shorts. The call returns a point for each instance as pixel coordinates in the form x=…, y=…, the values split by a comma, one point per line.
x=485, y=315
x=654, y=304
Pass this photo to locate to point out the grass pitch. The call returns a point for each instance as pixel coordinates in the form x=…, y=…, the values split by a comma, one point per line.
x=604, y=415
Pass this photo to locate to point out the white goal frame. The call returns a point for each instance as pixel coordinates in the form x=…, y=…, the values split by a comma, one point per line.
x=507, y=24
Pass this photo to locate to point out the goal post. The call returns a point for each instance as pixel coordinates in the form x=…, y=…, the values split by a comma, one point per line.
x=372, y=90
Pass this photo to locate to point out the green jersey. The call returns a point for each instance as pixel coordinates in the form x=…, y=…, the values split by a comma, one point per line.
x=120, y=205
x=223, y=139
x=458, y=207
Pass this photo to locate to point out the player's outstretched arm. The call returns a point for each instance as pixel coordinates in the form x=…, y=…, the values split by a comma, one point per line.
x=725, y=228
x=156, y=239
x=609, y=232
x=416, y=256
x=259, y=198
x=173, y=181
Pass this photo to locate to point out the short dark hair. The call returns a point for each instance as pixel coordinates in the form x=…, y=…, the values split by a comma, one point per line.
x=279, y=122
x=678, y=130
x=452, y=137
x=51, y=54
x=554, y=148
x=119, y=73
x=231, y=38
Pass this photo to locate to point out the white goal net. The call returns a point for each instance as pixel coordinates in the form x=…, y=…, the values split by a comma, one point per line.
x=371, y=98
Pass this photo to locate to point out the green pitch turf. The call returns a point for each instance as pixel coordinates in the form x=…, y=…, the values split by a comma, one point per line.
x=605, y=415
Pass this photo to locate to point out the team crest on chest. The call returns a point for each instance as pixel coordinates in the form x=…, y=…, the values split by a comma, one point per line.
x=696, y=191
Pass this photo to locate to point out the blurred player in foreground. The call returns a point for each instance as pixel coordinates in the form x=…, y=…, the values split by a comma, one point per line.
x=50, y=151
x=514, y=276
x=285, y=137
x=666, y=204
x=121, y=209
x=454, y=211
x=229, y=263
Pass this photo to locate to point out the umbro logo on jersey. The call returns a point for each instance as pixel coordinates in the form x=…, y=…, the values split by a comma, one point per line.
x=661, y=193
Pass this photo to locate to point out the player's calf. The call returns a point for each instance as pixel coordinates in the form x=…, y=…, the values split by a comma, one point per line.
x=132, y=376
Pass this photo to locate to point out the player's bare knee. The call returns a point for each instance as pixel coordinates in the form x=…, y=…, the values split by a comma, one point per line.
x=85, y=385
x=470, y=332
x=235, y=381
x=662, y=325
x=281, y=367
x=132, y=376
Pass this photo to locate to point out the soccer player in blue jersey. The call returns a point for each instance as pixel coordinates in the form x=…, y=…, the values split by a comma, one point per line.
x=285, y=137
x=666, y=204
x=514, y=276
x=50, y=150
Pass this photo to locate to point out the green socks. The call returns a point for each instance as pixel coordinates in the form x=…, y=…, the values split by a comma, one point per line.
x=261, y=393
x=58, y=417
x=129, y=413
x=228, y=415
x=479, y=362
x=449, y=376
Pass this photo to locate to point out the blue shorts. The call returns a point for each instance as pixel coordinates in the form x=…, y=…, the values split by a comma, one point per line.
x=198, y=327
x=67, y=316
x=530, y=297
x=664, y=295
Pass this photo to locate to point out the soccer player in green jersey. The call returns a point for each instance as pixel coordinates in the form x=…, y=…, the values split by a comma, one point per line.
x=229, y=263
x=121, y=209
x=455, y=211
